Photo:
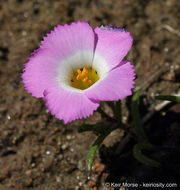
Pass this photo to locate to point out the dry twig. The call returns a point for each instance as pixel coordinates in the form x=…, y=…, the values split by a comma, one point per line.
x=170, y=29
x=157, y=108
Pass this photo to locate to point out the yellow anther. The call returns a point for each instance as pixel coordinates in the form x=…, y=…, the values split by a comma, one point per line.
x=85, y=72
x=89, y=82
x=78, y=77
x=85, y=79
x=79, y=71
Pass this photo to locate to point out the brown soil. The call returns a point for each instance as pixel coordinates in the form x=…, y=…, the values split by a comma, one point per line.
x=36, y=150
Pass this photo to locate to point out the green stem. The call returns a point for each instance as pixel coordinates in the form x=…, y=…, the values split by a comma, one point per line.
x=137, y=151
x=169, y=98
x=136, y=117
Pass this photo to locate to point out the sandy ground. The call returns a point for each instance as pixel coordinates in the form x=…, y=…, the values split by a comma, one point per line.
x=39, y=152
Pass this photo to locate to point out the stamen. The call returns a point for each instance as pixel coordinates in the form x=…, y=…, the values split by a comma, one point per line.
x=85, y=79
x=79, y=71
x=89, y=82
x=78, y=77
x=85, y=72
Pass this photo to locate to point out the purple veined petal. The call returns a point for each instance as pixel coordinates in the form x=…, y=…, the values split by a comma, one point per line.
x=112, y=44
x=42, y=69
x=117, y=85
x=68, y=105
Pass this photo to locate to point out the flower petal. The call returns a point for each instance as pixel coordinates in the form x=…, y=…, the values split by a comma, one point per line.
x=68, y=41
x=115, y=86
x=68, y=105
x=112, y=44
x=39, y=73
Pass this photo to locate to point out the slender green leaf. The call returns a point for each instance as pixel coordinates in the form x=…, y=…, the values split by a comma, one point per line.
x=93, y=150
x=85, y=127
x=136, y=116
x=137, y=152
x=98, y=128
x=169, y=98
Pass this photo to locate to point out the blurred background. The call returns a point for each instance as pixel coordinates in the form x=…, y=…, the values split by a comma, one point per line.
x=36, y=150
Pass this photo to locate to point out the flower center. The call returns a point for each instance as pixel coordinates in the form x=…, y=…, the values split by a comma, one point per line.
x=84, y=78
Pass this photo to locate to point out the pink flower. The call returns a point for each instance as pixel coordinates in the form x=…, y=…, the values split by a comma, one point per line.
x=75, y=68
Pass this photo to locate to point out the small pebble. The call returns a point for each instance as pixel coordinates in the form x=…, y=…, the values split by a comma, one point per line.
x=172, y=67
x=124, y=118
x=78, y=177
x=80, y=183
x=48, y=152
x=68, y=137
x=64, y=146
x=43, y=159
x=26, y=14
x=163, y=113
x=24, y=33
x=73, y=137
x=152, y=94
x=8, y=117
x=36, y=154
x=28, y=172
x=33, y=165
x=77, y=187
x=60, y=157
x=72, y=149
x=91, y=184
x=99, y=168
x=56, y=129
x=166, y=49
x=58, y=179
x=28, y=182
x=80, y=165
